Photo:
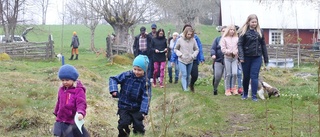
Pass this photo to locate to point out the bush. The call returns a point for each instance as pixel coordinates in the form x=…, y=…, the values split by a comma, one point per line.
x=4, y=56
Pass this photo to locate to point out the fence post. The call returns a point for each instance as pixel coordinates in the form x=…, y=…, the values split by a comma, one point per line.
x=49, y=48
x=109, y=46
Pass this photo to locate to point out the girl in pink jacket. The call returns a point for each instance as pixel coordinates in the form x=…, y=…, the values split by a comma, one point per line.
x=71, y=100
x=229, y=48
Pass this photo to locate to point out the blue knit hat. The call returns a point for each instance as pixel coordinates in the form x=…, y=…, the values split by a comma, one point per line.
x=141, y=61
x=68, y=72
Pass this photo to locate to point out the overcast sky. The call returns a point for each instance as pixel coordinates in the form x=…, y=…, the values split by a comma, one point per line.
x=54, y=12
x=272, y=15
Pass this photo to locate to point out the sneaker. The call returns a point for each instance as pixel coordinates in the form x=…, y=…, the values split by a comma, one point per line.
x=228, y=92
x=176, y=81
x=161, y=86
x=234, y=91
x=244, y=98
x=215, y=92
x=255, y=100
x=240, y=91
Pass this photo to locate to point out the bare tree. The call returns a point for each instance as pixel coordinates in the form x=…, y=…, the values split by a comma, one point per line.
x=42, y=5
x=122, y=14
x=187, y=10
x=9, y=10
x=86, y=14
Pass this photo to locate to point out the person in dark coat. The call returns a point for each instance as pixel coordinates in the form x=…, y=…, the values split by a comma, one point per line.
x=75, y=45
x=251, y=48
x=142, y=46
x=159, y=49
x=218, y=61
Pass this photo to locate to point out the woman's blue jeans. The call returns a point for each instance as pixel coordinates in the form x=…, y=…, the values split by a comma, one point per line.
x=176, y=70
x=185, y=72
x=251, y=69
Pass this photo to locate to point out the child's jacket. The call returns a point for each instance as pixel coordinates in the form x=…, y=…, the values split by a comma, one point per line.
x=69, y=102
x=134, y=93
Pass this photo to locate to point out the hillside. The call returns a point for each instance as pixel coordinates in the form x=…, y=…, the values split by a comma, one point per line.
x=29, y=90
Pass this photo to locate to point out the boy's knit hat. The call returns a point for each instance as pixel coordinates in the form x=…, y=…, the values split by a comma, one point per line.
x=68, y=72
x=141, y=61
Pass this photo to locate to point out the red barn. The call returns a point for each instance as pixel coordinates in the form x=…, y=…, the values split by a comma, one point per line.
x=280, y=20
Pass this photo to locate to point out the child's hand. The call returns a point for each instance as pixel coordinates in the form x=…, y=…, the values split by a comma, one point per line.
x=114, y=94
x=80, y=116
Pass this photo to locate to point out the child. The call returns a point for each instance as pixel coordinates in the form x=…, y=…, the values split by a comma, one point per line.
x=71, y=100
x=229, y=48
x=134, y=96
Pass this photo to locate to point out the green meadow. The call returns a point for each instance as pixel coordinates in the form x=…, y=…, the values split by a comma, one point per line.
x=29, y=93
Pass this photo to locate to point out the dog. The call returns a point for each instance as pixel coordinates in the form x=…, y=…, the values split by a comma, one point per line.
x=59, y=56
x=101, y=51
x=264, y=87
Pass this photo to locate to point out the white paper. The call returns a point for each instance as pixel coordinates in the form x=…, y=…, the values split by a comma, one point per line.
x=78, y=122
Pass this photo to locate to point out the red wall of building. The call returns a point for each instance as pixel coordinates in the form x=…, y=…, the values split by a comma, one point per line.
x=307, y=36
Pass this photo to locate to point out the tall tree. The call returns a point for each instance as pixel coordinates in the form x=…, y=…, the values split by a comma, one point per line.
x=186, y=10
x=9, y=11
x=122, y=14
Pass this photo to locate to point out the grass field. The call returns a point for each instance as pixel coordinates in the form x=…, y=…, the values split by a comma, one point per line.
x=29, y=92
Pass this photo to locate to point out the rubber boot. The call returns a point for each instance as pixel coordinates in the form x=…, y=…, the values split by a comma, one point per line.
x=71, y=57
x=215, y=92
x=76, y=57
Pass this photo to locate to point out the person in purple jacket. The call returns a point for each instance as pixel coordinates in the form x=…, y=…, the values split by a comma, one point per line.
x=71, y=100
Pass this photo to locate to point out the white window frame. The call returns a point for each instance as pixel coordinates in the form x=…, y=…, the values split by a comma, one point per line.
x=272, y=39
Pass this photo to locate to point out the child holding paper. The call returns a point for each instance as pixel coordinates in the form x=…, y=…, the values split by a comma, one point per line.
x=71, y=101
x=134, y=96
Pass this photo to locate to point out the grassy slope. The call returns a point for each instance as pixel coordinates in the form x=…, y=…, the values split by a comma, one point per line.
x=29, y=94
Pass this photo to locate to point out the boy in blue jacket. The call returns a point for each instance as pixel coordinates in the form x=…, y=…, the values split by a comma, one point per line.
x=134, y=96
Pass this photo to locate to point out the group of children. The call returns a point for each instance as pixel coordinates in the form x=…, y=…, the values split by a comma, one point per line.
x=135, y=92
x=133, y=105
x=236, y=54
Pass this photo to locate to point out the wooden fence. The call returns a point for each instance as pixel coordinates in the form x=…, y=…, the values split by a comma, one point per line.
x=29, y=50
x=281, y=52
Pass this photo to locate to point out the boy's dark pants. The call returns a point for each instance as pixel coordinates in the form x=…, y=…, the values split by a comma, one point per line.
x=126, y=118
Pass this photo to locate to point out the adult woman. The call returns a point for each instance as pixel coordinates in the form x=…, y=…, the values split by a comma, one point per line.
x=218, y=61
x=187, y=50
x=172, y=41
x=159, y=48
x=252, y=47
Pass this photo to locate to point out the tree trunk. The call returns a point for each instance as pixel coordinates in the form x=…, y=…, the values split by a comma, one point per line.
x=121, y=32
x=92, y=48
